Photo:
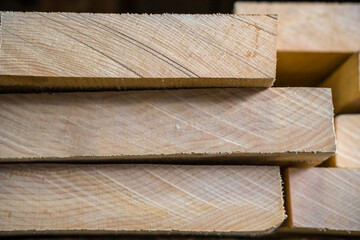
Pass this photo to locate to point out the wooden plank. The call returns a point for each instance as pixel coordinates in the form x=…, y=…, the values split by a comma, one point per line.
x=312, y=27
x=234, y=125
x=323, y=199
x=313, y=38
x=347, y=129
x=345, y=85
x=127, y=51
x=139, y=198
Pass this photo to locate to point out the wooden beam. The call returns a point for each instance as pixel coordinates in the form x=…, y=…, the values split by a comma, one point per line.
x=347, y=129
x=126, y=51
x=139, y=198
x=235, y=125
x=311, y=27
x=313, y=38
x=345, y=85
x=323, y=199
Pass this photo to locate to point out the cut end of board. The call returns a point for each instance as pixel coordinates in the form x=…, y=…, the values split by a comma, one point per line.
x=242, y=125
x=240, y=200
x=65, y=50
x=325, y=200
x=347, y=128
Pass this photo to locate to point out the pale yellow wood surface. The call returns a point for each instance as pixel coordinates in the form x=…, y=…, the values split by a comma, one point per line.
x=323, y=199
x=312, y=27
x=345, y=85
x=122, y=51
x=347, y=128
x=161, y=198
x=274, y=125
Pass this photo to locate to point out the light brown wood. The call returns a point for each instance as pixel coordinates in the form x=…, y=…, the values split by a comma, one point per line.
x=323, y=199
x=345, y=85
x=347, y=128
x=243, y=125
x=139, y=198
x=312, y=27
x=313, y=38
x=123, y=51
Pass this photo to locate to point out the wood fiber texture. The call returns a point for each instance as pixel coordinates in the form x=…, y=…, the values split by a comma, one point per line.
x=323, y=199
x=347, y=129
x=126, y=51
x=243, y=125
x=139, y=198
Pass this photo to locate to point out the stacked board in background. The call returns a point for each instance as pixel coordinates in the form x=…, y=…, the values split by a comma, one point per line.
x=325, y=199
x=348, y=141
x=314, y=40
x=318, y=45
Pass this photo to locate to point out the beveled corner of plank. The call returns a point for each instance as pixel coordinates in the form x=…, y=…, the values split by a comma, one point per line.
x=127, y=51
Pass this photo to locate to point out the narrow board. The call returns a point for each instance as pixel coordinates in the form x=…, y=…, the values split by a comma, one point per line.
x=347, y=128
x=120, y=198
x=313, y=38
x=235, y=125
x=323, y=199
x=345, y=85
x=67, y=51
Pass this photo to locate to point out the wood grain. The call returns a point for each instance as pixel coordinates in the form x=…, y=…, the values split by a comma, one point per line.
x=312, y=27
x=126, y=51
x=145, y=198
x=243, y=125
x=323, y=199
x=345, y=85
x=347, y=129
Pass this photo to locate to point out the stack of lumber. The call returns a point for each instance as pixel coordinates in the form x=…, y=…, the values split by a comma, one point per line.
x=74, y=135
x=318, y=45
x=172, y=154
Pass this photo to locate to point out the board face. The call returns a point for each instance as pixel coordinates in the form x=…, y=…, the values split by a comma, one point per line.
x=139, y=198
x=323, y=198
x=124, y=51
x=347, y=128
x=210, y=124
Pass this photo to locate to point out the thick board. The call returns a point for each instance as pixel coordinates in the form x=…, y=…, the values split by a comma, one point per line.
x=237, y=125
x=345, y=85
x=321, y=199
x=347, y=128
x=139, y=198
x=312, y=27
x=126, y=51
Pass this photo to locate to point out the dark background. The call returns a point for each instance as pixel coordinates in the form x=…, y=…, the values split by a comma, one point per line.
x=122, y=6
